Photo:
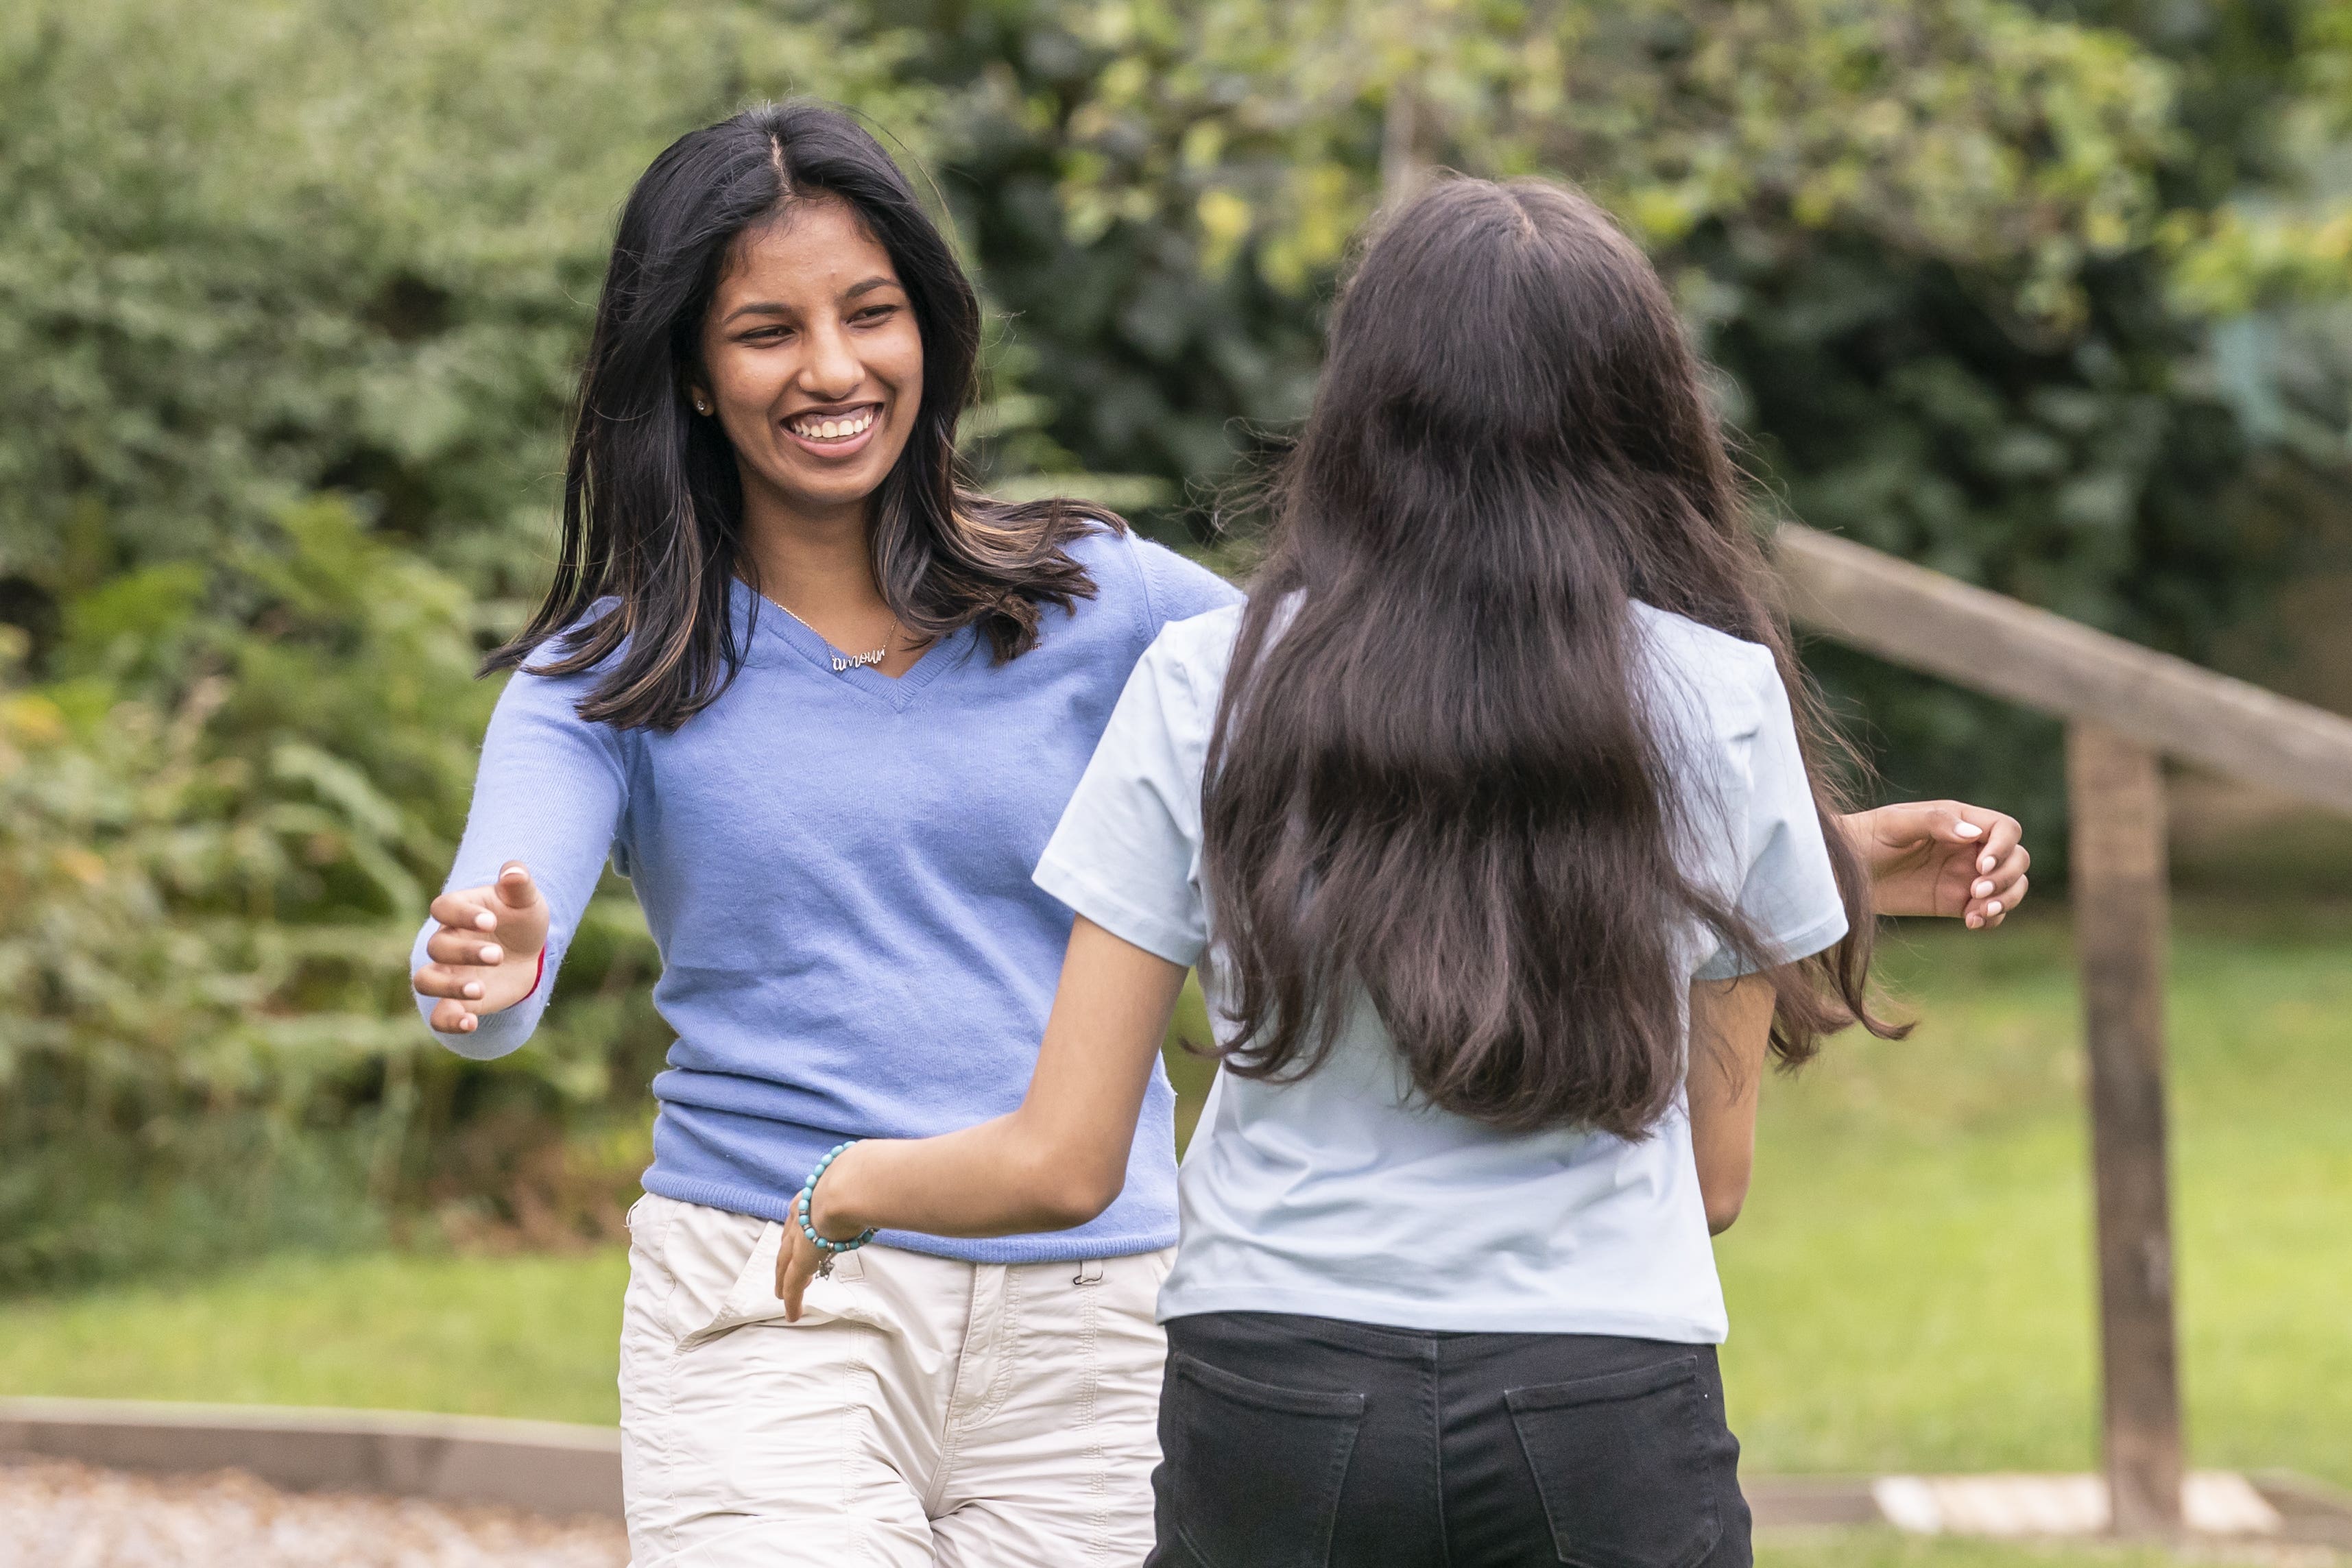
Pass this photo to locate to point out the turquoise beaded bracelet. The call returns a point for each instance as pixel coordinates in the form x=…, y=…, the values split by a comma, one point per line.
x=826, y=1245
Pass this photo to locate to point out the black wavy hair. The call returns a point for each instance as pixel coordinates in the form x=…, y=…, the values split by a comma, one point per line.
x=652, y=501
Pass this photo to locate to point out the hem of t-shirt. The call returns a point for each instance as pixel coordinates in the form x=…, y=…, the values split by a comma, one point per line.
x=1436, y=1317
x=1069, y=1246
x=1818, y=938
x=1116, y=914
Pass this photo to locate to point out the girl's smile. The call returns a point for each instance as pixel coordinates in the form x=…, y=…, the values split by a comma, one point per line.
x=835, y=432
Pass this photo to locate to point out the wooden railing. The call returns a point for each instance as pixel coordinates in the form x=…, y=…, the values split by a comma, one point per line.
x=2125, y=707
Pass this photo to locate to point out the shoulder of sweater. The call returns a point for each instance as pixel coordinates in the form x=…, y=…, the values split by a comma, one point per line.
x=562, y=642
x=1156, y=582
x=556, y=697
x=1179, y=588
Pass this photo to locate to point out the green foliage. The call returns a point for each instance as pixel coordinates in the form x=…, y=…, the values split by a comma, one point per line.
x=216, y=824
x=220, y=821
x=260, y=249
x=1972, y=130
x=1959, y=257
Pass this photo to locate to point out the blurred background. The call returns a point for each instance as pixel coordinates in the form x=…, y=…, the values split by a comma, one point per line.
x=2051, y=297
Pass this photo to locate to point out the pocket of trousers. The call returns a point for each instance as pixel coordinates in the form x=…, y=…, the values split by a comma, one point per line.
x=1623, y=1465
x=750, y=1298
x=1254, y=1471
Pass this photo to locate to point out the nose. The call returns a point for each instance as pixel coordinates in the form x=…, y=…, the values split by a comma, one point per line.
x=832, y=370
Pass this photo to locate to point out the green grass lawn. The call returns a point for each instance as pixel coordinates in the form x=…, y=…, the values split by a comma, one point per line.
x=531, y=1336
x=1887, y=1549
x=1910, y=1287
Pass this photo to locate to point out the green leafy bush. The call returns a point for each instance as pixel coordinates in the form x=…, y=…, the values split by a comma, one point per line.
x=219, y=825
x=260, y=249
x=1979, y=270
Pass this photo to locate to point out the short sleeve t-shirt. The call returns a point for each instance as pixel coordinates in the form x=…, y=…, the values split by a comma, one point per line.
x=1345, y=1194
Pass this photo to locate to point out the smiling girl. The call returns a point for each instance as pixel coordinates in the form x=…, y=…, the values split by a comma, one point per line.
x=821, y=706
x=824, y=706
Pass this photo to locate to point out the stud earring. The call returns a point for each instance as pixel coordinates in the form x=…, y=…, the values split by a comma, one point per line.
x=700, y=406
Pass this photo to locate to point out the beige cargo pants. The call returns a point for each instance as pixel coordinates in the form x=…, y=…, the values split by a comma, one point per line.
x=923, y=1411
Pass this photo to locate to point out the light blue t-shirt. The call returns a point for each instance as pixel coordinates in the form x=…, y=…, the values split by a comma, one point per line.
x=1345, y=1195
x=835, y=865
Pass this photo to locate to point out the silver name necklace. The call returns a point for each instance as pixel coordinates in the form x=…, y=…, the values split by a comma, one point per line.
x=846, y=662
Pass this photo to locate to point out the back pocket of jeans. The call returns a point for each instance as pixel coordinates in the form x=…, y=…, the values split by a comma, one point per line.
x=1625, y=1465
x=1253, y=1470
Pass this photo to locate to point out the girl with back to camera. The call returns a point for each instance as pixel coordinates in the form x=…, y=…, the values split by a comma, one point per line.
x=1494, y=820
x=823, y=705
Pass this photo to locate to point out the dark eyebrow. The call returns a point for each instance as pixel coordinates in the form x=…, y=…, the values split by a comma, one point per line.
x=758, y=307
x=771, y=307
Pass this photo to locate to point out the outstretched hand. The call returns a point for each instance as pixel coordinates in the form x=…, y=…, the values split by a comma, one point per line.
x=1942, y=858
x=484, y=956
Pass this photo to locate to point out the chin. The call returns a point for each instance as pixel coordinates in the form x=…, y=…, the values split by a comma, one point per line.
x=817, y=488
x=833, y=496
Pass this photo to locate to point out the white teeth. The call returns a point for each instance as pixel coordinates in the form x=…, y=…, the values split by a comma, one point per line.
x=834, y=428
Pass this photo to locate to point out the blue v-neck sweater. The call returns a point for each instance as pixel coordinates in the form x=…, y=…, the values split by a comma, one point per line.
x=837, y=868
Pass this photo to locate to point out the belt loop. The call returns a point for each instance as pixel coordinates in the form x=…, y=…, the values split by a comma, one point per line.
x=1089, y=1272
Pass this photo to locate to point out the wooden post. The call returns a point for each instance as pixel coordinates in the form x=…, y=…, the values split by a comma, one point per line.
x=2116, y=796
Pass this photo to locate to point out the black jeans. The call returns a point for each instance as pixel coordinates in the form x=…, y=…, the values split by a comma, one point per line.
x=1300, y=1442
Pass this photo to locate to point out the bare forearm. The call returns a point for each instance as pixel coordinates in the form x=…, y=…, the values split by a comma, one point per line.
x=1061, y=1158
x=1730, y=1026
x=1001, y=1177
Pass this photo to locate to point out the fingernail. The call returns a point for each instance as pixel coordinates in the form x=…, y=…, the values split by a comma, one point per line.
x=1969, y=831
x=1993, y=908
x=485, y=921
x=465, y=1024
x=473, y=992
x=1981, y=888
x=1975, y=921
x=492, y=956
x=1984, y=863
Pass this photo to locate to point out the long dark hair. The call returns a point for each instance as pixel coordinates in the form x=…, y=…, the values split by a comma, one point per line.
x=653, y=503
x=1436, y=774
